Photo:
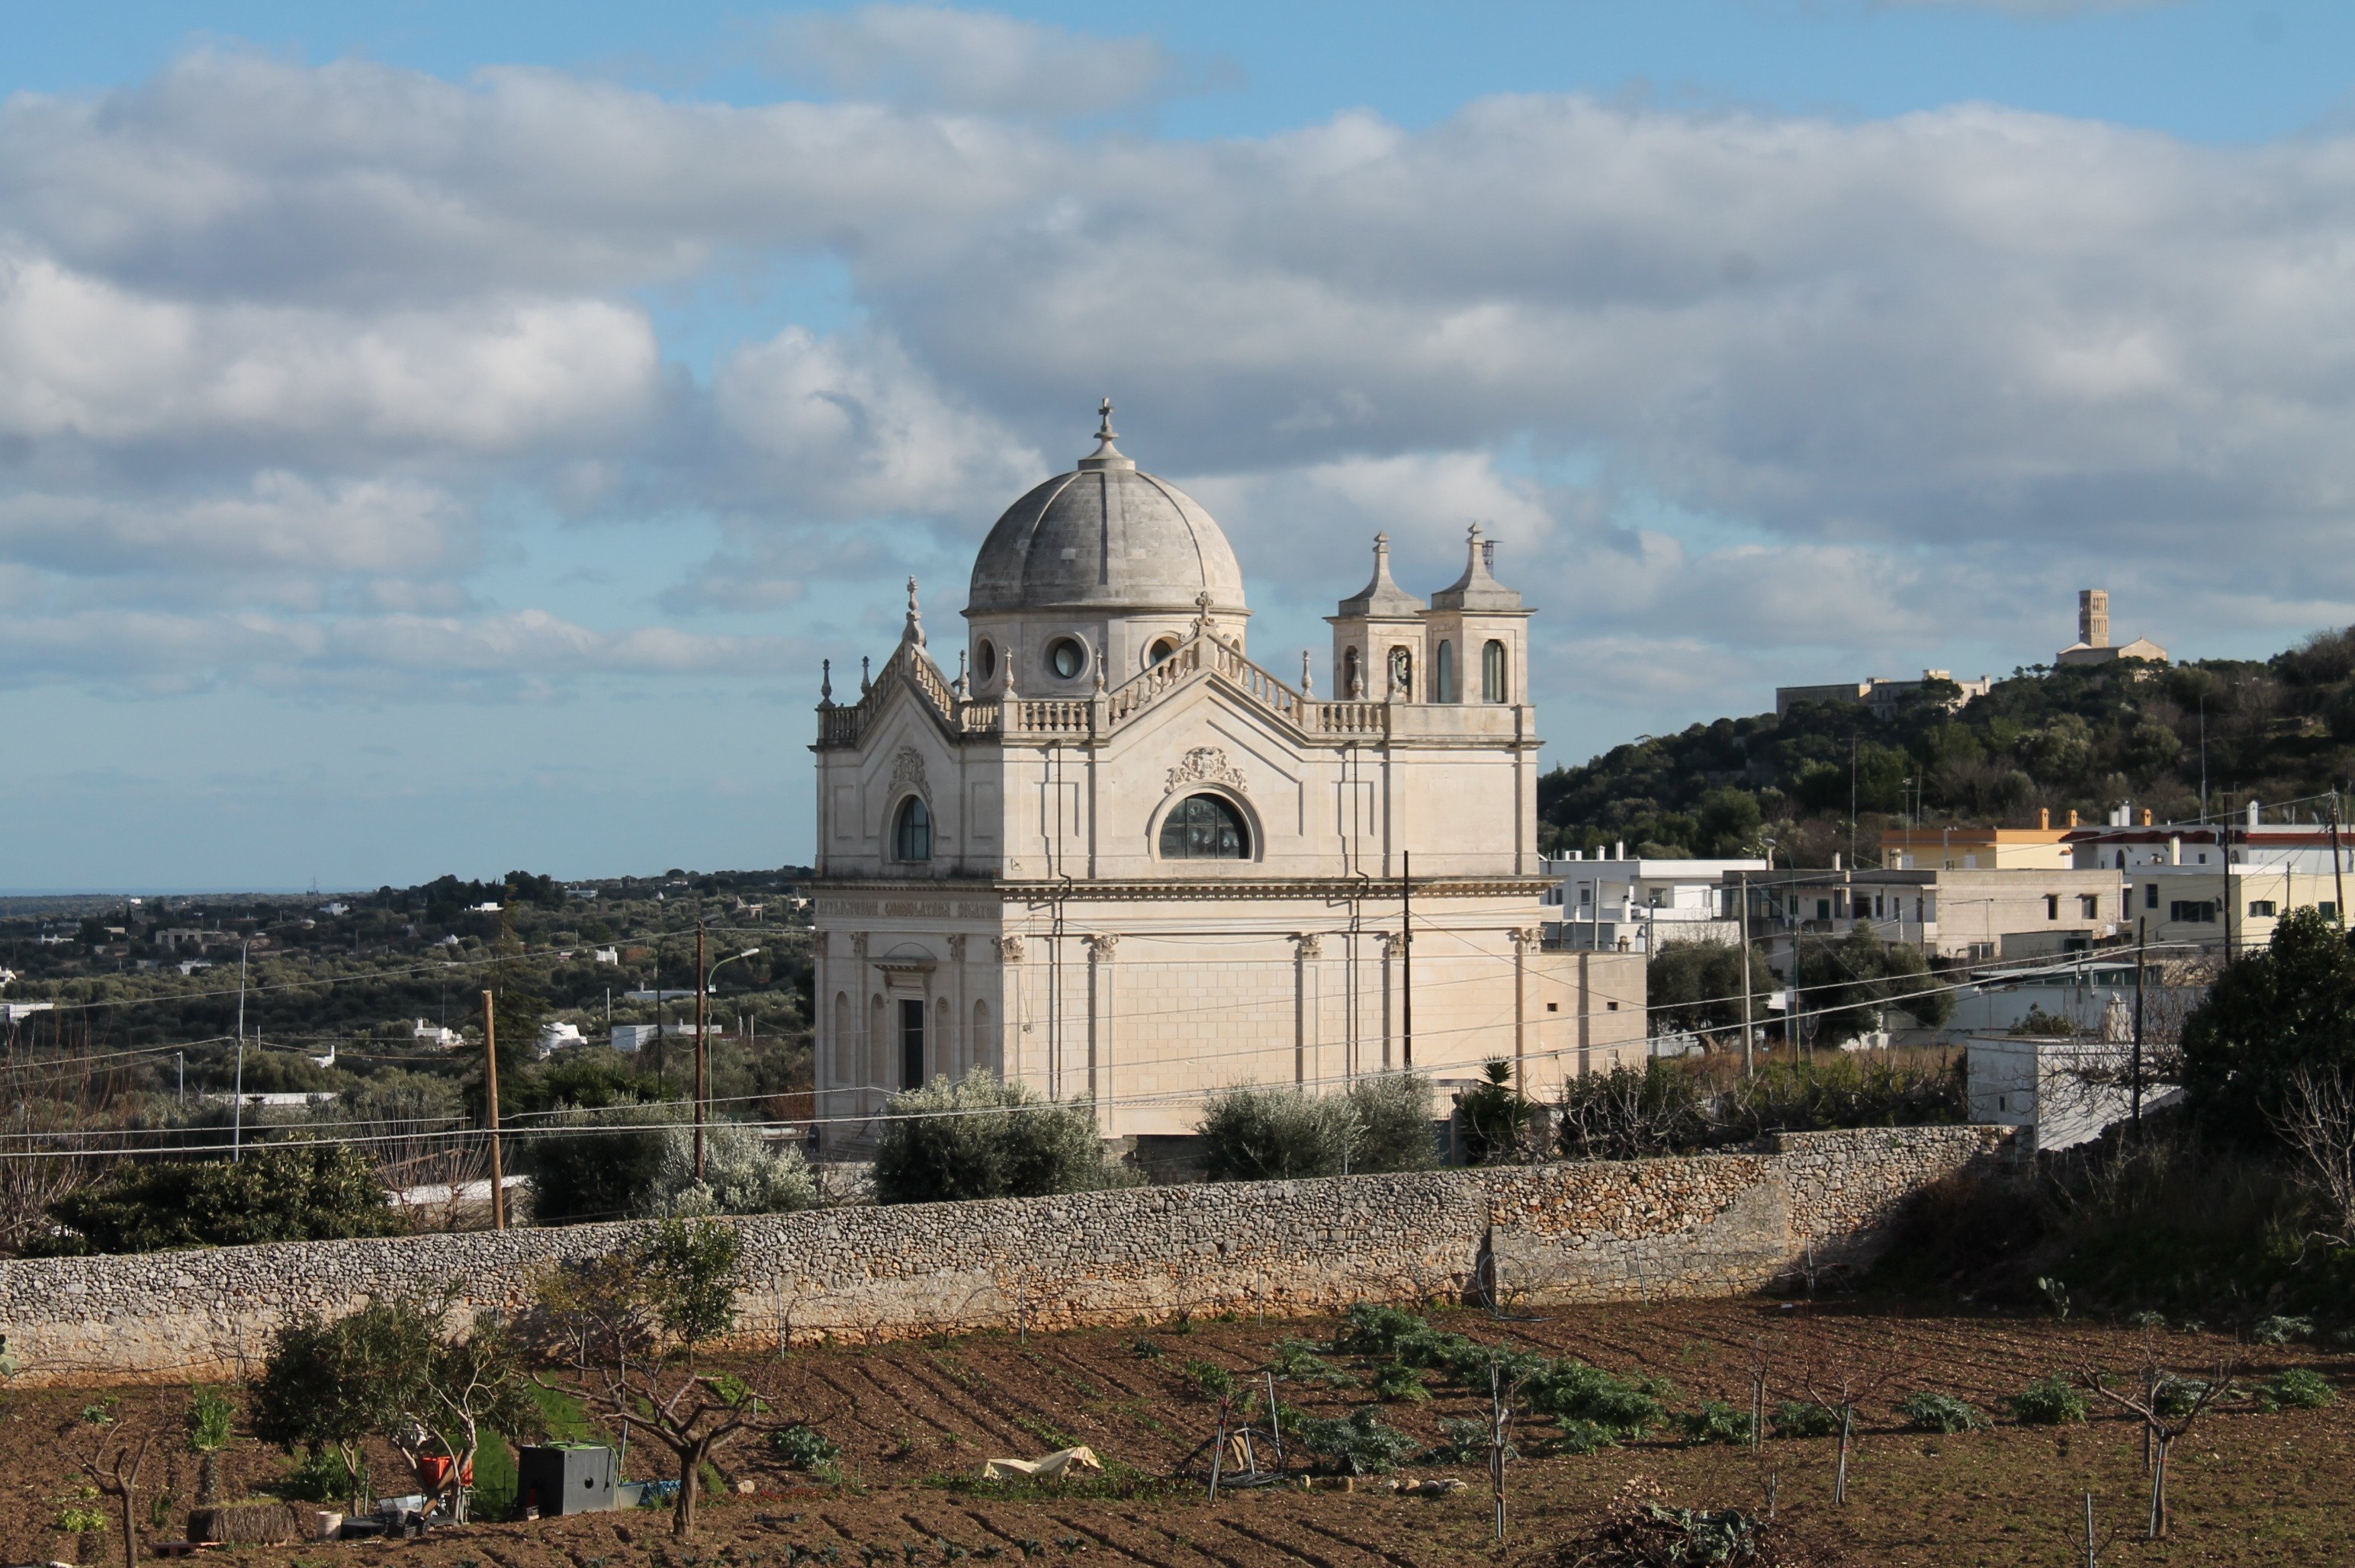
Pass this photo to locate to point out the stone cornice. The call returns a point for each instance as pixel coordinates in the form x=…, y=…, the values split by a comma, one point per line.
x=1327, y=889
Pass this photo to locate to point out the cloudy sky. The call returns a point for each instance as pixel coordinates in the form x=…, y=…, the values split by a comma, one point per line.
x=445, y=437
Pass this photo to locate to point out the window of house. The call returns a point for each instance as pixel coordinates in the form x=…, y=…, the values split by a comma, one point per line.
x=1492, y=673
x=2150, y=895
x=1204, y=827
x=985, y=661
x=1443, y=674
x=2329, y=911
x=1161, y=652
x=2261, y=909
x=2052, y=906
x=911, y=1044
x=2193, y=911
x=1823, y=909
x=2089, y=905
x=911, y=831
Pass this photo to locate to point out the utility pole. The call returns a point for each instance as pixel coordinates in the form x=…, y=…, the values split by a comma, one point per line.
x=1406, y=949
x=2142, y=954
x=180, y=1060
x=702, y=983
x=1749, y=1065
x=237, y=1094
x=491, y=1109
x=2338, y=864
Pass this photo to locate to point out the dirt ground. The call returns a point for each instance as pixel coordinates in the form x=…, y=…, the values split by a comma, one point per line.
x=916, y=1420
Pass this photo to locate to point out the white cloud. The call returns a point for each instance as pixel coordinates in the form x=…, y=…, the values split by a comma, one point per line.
x=973, y=61
x=1832, y=390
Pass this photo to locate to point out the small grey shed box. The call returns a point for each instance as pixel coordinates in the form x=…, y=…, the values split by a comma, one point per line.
x=565, y=1478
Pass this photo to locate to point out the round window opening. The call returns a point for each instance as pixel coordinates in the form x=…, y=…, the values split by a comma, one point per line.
x=1067, y=658
x=984, y=660
x=1161, y=652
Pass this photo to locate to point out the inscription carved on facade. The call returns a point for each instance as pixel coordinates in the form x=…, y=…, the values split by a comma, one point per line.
x=1205, y=765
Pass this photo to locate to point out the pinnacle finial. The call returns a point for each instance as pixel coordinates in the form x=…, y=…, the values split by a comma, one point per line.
x=826, y=682
x=915, y=629
x=1103, y=422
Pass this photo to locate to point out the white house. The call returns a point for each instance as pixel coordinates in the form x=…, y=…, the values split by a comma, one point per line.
x=1629, y=904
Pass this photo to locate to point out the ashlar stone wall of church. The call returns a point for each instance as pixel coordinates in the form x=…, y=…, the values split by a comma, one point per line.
x=1701, y=1226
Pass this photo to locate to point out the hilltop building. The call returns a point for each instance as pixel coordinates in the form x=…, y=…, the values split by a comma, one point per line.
x=2093, y=644
x=1878, y=693
x=1117, y=859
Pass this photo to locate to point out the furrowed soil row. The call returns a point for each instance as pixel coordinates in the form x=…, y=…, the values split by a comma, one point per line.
x=1368, y=1547
x=987, y=1422
x=1185, y=1542
x=899, y=1398
x=1105, y=1540
x=1317, y=1560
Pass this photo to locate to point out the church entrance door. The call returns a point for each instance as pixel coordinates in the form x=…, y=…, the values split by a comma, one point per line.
x=911, y=1044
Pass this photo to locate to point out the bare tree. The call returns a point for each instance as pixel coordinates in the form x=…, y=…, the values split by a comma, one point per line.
x=2167, y=1407
x=2316, y=1119
x=107, y=1452
x=1839, y=1379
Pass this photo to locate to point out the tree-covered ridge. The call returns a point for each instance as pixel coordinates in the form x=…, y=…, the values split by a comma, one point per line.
x=2081, y=738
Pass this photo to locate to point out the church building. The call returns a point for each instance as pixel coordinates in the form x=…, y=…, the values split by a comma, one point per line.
x=1117, y=858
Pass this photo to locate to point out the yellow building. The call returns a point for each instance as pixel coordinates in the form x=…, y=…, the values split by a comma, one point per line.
x=1922, y=849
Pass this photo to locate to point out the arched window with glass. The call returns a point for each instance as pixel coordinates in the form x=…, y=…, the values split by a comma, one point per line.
x=1492, y=673
x=1204, y=827
x=911, y=830
x=1443, y=674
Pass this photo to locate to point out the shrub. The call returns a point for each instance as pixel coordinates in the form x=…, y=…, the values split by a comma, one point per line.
x=1803, y=1418
x=323, y=1478
x=323, y=1192
x=1619, y=1411
x=1394, y=1384
x=1926, y=1412
x=1631, y=1112
x=985, y=1137
x=1273, y=1134
x=1296, y=1360
x=2175, y=1398
x=1394, y=1124
x=804, y=1448
x=2280, y=1331
x=1714, y=1422
x=1376, y=1331
x=1362, y=1444
x=1496, y=1118
x=742, y=1175
x=2047, y=1401
x=1575, y=1436
x=1465, y=1441
x=2299, y=1388
x=603, y=1164
x=1434, y=1348
x=2287, y=1007
x=1209, y=1379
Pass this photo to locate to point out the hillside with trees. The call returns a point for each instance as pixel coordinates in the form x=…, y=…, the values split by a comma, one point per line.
x=2074, y=738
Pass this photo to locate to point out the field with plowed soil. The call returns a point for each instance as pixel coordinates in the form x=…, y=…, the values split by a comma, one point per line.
x=915, y=1421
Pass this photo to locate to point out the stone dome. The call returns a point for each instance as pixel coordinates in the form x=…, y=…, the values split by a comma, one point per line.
x=1106, y=535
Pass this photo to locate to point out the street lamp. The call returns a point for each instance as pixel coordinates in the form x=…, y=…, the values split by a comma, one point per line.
x=702, y=992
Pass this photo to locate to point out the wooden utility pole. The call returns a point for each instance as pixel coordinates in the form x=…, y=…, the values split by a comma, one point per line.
x=2338, y=861
x=702, y=983
x=2142, y=953
x=1749, y=1066
x=491, y=1109
x=1406, y=951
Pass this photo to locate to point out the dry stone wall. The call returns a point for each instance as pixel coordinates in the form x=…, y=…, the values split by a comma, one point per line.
x=1650, y=1230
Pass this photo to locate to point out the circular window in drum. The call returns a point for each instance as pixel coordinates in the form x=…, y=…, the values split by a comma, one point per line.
x=1160, y=652
x=1067, y=658
x=1204, y=827
x=985, y=661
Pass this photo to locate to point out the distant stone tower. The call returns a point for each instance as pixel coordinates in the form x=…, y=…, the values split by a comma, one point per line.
x=2093, y=618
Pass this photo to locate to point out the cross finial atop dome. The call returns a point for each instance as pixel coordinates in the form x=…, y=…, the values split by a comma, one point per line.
x=1107, y=455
